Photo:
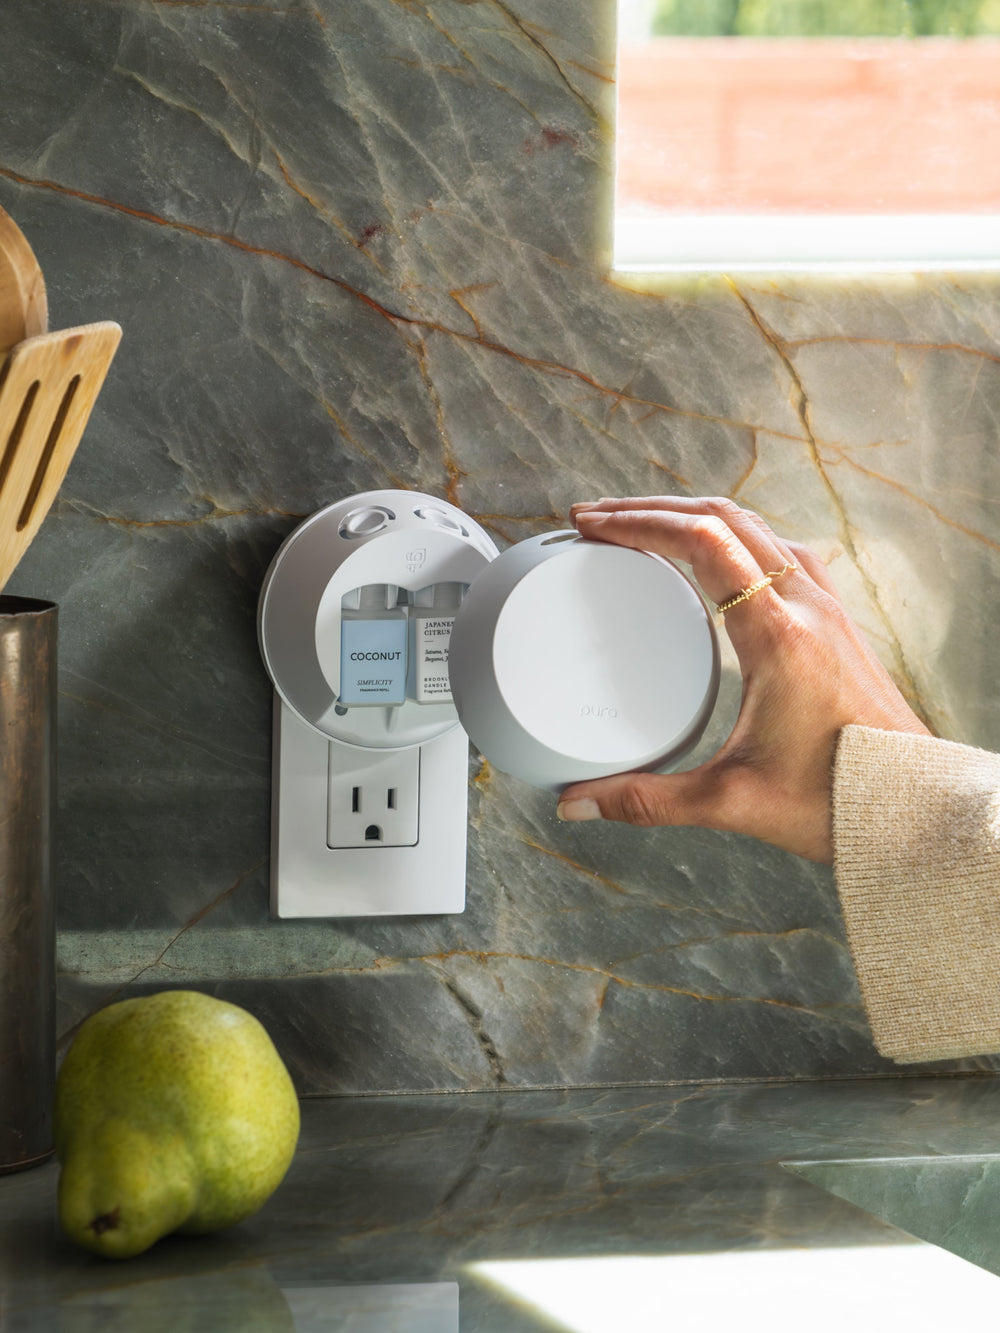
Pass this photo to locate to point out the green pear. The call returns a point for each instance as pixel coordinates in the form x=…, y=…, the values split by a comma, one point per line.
x=173, y=1112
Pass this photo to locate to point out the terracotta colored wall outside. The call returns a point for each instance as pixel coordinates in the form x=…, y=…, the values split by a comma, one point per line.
x=799, y=125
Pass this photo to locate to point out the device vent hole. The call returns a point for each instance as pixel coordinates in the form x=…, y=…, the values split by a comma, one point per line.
x=355, y=800
x=373, y=833
x=390, y=798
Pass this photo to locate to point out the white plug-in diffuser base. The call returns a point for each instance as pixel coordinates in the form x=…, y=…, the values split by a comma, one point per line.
x=403, y=538
x=573, y=659
x=322, y=747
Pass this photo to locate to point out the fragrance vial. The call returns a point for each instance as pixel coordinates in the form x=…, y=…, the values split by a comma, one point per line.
x=372, y=646
x=431, y=619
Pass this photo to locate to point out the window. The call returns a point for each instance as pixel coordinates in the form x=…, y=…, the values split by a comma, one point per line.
x=782, y=134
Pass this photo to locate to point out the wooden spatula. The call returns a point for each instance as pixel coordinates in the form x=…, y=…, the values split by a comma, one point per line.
x=48, y=386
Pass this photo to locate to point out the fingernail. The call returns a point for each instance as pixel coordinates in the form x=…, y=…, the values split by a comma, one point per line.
x=592, y=515
x=582, y=808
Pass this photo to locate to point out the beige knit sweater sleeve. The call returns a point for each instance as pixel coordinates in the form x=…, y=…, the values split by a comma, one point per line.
x=917, y=858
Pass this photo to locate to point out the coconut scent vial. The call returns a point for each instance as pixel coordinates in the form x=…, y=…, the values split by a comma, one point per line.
x=431, y=619
x=372, y=646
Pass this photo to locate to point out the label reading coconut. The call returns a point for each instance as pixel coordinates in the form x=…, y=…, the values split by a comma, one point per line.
x=372, y=661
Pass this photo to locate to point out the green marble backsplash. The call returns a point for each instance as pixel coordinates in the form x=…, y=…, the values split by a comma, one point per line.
x=366, y=244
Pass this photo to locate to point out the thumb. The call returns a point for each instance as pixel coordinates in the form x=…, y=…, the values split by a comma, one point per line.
x=645, y=799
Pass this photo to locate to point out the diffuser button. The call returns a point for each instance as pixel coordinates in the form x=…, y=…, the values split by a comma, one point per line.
x=365, y=522
x=439, y=518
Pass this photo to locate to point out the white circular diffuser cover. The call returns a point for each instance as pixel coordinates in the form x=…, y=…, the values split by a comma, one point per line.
x=573, y=659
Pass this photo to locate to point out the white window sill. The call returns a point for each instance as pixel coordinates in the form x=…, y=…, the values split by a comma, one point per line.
x=819, y=242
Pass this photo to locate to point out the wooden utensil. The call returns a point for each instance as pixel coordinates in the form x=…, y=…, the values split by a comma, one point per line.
x=23, y=306
x=48, y=386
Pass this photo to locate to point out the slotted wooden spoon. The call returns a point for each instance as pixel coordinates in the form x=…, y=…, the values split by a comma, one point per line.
x=49, y=383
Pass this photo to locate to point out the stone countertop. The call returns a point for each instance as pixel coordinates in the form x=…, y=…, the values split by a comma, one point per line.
x=417, y=1213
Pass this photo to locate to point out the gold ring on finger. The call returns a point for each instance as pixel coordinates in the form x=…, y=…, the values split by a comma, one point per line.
x=745, y=594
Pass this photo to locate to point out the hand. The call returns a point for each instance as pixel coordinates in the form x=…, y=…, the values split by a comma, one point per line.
x=807, y=672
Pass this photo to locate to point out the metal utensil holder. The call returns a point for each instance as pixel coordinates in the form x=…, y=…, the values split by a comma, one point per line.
x=28, y=647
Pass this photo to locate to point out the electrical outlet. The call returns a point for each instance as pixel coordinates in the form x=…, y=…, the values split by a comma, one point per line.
x=309, y=878
x=373, y=797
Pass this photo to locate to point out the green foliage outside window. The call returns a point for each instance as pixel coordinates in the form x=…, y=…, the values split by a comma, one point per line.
x=827, y=18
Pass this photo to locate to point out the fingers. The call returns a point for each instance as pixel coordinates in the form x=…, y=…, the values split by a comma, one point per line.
x=722, y=559
x=726, y=796
x=647, y=800
x=812, y=565
x=728, y=548
x=751, y=529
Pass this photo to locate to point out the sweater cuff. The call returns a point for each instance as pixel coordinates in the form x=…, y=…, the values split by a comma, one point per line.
x=917, y=859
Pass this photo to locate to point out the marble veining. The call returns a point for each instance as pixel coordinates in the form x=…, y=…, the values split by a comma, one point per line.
x=367, y=244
